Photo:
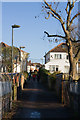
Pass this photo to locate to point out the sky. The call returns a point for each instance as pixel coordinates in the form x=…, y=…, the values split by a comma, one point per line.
x=31, y=31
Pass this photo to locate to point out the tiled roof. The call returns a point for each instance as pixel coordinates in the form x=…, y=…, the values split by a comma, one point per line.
x=58, y=48
x=20, y=50
x=5, y=45
x=33, y=64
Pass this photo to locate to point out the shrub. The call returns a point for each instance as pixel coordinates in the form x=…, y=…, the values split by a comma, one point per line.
x=52, y=80
x=43, y=75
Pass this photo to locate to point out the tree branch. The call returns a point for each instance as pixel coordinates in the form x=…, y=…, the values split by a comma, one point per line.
x=67, y=8
x=52, y=15
x=69, y=13
x=73, y=2
x=75, y=41
x=77, y=54
x=54, y=35
x=49, y=7
x=48, y=15
x=74, y=18
x=56, y=15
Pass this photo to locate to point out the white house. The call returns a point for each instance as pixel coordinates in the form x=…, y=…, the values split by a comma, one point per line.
x=21, y=66
x=57, y=59
x=33, y=66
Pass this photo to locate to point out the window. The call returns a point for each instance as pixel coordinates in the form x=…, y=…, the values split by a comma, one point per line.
x=3, y=69
x=56, y=67
x=53, y=68
x=67, y=57
x=51, y=56
x=55, y=56
x=58, y=56
x=79, y=60
x=66, y=69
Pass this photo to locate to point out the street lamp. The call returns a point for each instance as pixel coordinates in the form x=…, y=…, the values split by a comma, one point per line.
x=22, y=47
x=13, y=26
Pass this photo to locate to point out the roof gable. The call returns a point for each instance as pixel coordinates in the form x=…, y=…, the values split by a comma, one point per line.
x=59, y=48
x=4, y=44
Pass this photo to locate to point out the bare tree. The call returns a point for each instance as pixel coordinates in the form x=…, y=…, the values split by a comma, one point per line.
x=66, y=25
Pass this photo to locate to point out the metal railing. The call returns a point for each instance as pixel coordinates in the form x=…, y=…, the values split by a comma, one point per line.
x=5, y=94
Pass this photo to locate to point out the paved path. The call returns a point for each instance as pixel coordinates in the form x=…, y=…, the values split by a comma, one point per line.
x=37, y=102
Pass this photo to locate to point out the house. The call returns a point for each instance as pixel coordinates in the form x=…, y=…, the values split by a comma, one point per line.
x=2, y=65
x=33, y=66
x=20, y=64
x=57, y=59
x=19, y=59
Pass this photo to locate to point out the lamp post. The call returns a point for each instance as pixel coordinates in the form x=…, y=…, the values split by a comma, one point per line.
x=16, y=63
x=13, y=26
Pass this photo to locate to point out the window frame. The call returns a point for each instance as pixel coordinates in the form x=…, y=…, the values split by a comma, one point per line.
x=58, y=56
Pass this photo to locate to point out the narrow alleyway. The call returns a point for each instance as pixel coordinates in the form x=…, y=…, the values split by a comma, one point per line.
x=38, y=102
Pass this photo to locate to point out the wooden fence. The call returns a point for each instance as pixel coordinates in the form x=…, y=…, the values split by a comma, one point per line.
x=68, y=91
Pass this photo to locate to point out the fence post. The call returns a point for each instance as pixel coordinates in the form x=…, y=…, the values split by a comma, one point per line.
x=62, y=98
x=49, y=83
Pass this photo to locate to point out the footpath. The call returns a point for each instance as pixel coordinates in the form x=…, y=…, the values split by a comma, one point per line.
x=37, y=102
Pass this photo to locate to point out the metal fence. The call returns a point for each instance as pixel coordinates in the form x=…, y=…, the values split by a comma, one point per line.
x=5, y=94
x=9, y=90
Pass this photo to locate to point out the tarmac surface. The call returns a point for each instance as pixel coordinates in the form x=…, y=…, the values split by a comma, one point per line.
x=36, y=102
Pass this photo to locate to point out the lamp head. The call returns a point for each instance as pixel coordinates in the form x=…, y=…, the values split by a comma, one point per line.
x=22, y=47
x=15, y=26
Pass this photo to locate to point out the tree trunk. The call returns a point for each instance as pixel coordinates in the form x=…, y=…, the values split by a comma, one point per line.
x=72, y=61
x=72, y=71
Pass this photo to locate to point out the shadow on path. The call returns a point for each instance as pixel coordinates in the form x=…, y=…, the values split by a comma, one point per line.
x=38, y=102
